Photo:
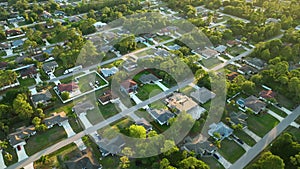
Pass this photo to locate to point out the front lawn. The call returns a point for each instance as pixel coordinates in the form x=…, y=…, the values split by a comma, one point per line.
x=147, y=91
x=210, y=63
x=45, y=139
x=277, y=111
x=212, y=162
x=261, y=124
x=27, y=82
x=235, y=51
x=230, y=150
x=187, y=90
x=106, y=111
x=245, y=137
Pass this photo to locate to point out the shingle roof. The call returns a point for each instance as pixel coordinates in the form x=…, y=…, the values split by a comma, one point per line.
x=82, y=107
x=56, y=118
x=203, y=95
x=21, y=134
x=161, y=115
x=149, y=78
x=254, y=103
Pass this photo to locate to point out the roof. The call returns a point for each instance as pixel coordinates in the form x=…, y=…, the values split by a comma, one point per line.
x=106, y=97
x=127, y=84
x=112, y=146
x=203, y=95
x=181, y=102
x=56, y=118
x=144, y=123
x=109, y=71
x=83, y=107
x=256, y=62
x=161, y=115
x=255, y=104
x=129, y=65
x=200, y=147
x=221, y=48
x=162, y=52
x=232, y=75
x=21, y=134
x=28, y=71
x=220, y=128
x=67, y=87
x=17, y=43
x=3, y=65
x=209, y=53
x=245, y=69
x=232, y=42
x=81, y=163
x=238, y=118
x=45, y=95
x=148, y=78
x=267, y=94
x=48, y=66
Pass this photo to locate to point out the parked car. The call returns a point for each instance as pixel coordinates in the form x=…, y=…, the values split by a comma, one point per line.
x=19, y=148
x=216, y=156
x=240, y=141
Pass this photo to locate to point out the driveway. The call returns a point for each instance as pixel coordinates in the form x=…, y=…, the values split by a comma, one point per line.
x=162, y=86
x=123, y=107
x=85, y=121
x=22, y=153
x=138, y=100
x=29, y=166
x=253, y=135
x=226, y=164
x=281, y=118
x=2, y=164
x=38, y=79
x=70, y=133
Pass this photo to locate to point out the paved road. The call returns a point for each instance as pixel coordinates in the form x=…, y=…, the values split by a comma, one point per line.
x=266, y=140
x=98, y=126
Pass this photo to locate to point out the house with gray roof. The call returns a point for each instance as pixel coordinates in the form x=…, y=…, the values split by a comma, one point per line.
x=204, y=148
x=17, y=43
x=21, y=134
x=255, y=62
x=221, y=48
x=246, y=70
x=221, y=129
x=83, y=107
x=238, y=118
x=111, y=146
x=148, y=79
x=109, y=71
x=203, y=95
x=162, y=116
x=55, y=119
x=144, y=123
x=254, y=104
x=49, y=67
x=83, y=162
x=43, y=97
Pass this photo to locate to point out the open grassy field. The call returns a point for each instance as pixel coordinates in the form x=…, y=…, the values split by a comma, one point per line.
x=245, y=137
x=230, y=150
x=261, y=124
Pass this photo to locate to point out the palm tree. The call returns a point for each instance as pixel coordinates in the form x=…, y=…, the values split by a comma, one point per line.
x=3, y=144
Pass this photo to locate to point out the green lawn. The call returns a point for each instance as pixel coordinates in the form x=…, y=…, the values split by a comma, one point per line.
x=162, y=38
x=148, y=90
x=211, y=62
x=187, y=90
x=261, y=124
x=27, y=82
x=230, y=150
x=158, y=105
x=45, y=139
x=277, y=111
x=234, y=51
x=83, y=81
x=245, y=137
x=212, y=162
x=106, y=111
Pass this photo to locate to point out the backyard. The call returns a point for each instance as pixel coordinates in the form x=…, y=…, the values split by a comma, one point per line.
x=148, y=90
x=45, y=139
x=230, y=150
x=210, y=63
x=91, y=78
x=261, y=124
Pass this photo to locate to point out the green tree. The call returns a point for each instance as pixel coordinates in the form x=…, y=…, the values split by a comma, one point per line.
x=8, y=156
x=268, y=160
x=3, y=144
x=137, y=131
x=192, y=162
x=36, y=121
x=65, y=95
x=22, y=107
x=125, y=163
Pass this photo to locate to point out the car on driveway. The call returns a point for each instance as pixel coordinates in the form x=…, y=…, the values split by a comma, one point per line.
x=216, y=156
x=19, y=148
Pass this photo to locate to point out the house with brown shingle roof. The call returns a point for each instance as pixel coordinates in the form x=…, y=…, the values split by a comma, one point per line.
x=69, y=87
x=128, y=86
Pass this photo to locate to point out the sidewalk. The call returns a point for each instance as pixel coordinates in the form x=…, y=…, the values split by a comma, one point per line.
x=281, y=118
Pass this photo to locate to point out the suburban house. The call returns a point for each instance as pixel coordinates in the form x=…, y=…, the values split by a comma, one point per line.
x=111, y=146
x=232, y=76
x=83, y=107
x=59, y=13
x=13, y=32
x=128, y=86
x=255, y=62
x=267, y=94
x=246, y=70
x=49, y=67
x=29, y=72
x=81, y=163
x=109, y=71
x=232, y=43
x=221, y=48
x=144, y=123
x=148, y=79
x=16, y=19
x=4, y=46
x=162, y=53
x=21, y=134
x=71, y=88
x=183, y=103
x=3, y=65
x=221, y=129
x=55, y=119
x=297, y=28
x=254, y=104
x=140, y=40
x=209, y=53
x=162, y=116
x=202, y=148
x=17, y=43
x=203, y=95
x=74, y=19
x=46, y=15
x=44, y=97
x=129, y=65
x=174, y=47
x=107, y=97
x=238, y=118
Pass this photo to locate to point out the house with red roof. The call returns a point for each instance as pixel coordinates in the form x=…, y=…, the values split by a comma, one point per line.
x=128, y=86
x=267, y=94
x=70, y=87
